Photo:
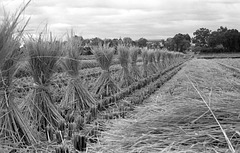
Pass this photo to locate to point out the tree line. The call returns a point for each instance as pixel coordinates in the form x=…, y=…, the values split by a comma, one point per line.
x=204, y=41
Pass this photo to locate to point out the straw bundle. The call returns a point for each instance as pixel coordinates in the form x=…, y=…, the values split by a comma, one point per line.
x=41, y=64
x=123, y=56
x=145, y=62
x=14, y=128
x=134, y=70
x=76, y=96
x=164, y=60
x=158, y=54
x=105, y=85
x=151, y=60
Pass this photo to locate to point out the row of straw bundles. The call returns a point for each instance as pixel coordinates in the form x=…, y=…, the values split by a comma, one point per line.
x=76, y=96
x=14, y=128
x=124, y=58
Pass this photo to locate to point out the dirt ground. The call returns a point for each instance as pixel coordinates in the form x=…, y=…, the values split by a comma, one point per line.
x=179, y=117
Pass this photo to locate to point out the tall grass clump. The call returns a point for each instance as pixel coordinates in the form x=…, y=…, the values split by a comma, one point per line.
x=123, y=56
x=76, y=97
x=151, y=61
x=105, y=85
x=134, y=70
x=14, y=128
x=145, y=62
x=42, y=62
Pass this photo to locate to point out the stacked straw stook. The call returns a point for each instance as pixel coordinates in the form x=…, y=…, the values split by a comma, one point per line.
x=123, y=56
x=145, y=62
x=151, y=61
x=77, y=97
x=39, y=106
x=158, y=55
x=105, y=85
x=134, y=71
x=14, y=128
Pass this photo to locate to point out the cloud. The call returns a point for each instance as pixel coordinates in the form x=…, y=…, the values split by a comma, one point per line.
x=136, y=18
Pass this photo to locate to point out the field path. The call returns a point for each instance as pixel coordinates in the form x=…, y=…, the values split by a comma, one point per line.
x=175, y=118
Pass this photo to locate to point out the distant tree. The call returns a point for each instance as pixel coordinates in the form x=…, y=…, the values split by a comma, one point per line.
x=182, y=41
x=115, y=42
x=86, y=42
x=142, y=42
x=127, y=41
x=170, y=44
x=201, y=37
x=96, y=41
x=108, y=42
x=231, y=40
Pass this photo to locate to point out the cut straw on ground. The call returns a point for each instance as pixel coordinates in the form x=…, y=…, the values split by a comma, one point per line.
x=175, y=119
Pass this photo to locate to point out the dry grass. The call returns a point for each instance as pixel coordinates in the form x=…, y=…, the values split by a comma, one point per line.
x=176, y=118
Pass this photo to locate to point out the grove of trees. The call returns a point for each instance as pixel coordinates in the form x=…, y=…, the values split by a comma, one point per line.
x=221, y=40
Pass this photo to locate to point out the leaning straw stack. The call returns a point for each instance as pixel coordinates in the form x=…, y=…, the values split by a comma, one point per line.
x=76, y=96
x=145, y=62
x=123, y=56
x=134, y=70
x=43, y=57
x=105, y=85
x=151, y=60
x=14, y=128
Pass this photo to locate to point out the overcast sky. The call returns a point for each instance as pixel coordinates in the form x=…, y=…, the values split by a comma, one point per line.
x=151, y=19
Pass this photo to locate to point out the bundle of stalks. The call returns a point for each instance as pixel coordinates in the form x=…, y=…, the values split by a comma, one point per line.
x=39, y=106
x=105, y=85
x=134, y=71
x=168, y=59
x=77, y=97
x=14, y=128
x=125, y=77
x=158, y=59
x=151, y=60
x=164, y=60
x=145, y=62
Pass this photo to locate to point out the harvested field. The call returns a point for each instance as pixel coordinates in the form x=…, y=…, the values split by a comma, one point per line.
x=179, y=116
